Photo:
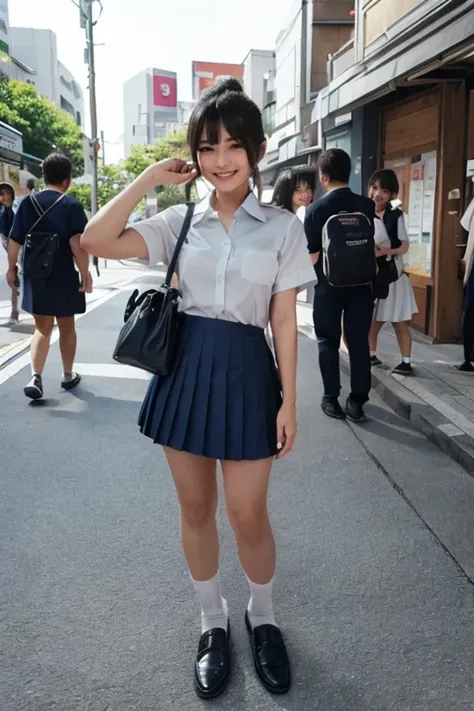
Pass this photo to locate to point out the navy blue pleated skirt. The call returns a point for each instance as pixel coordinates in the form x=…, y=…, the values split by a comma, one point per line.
x=223, y=396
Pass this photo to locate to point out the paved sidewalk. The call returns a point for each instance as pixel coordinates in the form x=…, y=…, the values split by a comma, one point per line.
x=16, y=340
x=437, y=399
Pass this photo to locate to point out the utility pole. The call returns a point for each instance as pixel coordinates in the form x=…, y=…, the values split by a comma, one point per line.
x=87, y=23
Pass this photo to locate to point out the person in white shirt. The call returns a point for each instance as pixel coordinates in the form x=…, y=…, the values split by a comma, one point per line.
x=294, y=191
x=391, y=241
x=242, y=265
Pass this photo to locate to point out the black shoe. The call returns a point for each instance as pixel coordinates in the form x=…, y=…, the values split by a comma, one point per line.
x=212, y=667
x=331, y=408
x=72, y=382
x=270, y=657
x=354, y=411
x=403, y=369
x=465, y=367
x=374, y=361
x=34, y=389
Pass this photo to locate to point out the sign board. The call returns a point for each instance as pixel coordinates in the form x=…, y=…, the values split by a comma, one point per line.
x=165, y=91
x=205, y=75
x=11, y=140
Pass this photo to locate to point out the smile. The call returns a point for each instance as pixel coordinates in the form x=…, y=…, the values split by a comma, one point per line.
x=225, y=176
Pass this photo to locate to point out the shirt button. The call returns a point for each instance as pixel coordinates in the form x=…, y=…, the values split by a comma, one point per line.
x=219, y=279
x=226, y=243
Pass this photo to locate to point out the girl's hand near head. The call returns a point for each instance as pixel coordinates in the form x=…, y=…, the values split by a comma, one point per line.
x=172, y=171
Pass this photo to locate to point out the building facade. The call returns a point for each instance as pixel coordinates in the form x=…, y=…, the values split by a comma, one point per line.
x=259, y=65
x=312, y=31
x=37, y=51
x=150, y=101
x=400, y=95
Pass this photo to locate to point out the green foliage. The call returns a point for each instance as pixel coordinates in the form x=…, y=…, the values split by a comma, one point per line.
x=173, y=146
x=45, y=128
x=112, y=179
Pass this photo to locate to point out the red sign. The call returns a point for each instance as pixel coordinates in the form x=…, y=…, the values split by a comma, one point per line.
x=205, y=74
x=165, y=91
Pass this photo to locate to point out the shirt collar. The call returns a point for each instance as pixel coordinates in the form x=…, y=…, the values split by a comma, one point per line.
x=250, y=205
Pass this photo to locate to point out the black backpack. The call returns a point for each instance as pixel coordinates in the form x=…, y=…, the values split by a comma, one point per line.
x=387, y=267
x=349, y=250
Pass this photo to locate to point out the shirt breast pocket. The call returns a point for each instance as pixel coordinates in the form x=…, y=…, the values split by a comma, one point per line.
x=260, y=267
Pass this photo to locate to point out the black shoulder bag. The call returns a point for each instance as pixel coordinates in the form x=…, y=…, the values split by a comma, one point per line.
x=149, y=336
x=387, y=267
x=39, y=250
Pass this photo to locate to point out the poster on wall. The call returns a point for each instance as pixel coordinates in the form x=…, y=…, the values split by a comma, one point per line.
x=421, y=206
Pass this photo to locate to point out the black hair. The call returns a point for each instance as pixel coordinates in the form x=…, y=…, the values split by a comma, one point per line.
x=7, y=188
x=286, y=185
x=226, y=104
x=335, y=164
x=30, y=184
x=56, y=169
x=387, y=179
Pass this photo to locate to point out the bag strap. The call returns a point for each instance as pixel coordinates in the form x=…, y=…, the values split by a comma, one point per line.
x=181, y=239
x=42, y=213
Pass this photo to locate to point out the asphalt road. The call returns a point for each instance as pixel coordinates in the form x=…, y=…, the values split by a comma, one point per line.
x=375, y=544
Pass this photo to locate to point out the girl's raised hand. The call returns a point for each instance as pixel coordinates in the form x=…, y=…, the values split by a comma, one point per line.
x=172, y=171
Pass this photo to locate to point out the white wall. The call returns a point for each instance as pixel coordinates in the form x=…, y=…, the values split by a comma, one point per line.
x=71, y=92
x=257, y=63
x=135, y=95
x=288, y=68
x=38, y=50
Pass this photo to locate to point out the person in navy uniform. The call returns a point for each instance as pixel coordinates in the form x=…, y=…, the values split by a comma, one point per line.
x=242, y=265
x=331, y=306
x=7, y=215
x=62, y=296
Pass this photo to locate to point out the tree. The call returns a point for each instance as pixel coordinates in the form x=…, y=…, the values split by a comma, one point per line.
x=112, y=179
x=45, y=128
x=173, y=146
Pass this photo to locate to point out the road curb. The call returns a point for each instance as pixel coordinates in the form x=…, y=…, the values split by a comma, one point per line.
x=423, y=417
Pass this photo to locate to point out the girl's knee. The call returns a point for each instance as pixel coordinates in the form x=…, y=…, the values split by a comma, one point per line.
x=197, y=512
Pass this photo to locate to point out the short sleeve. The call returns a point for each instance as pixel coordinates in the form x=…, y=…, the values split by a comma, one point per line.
x=77, y=219
x=158, y=237
x=314, y=230
x=295, y=270
x=401, y=229
x=19, y=229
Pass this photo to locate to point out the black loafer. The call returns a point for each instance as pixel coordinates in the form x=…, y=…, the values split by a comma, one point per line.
x=332, y=408
x=212, y=667
x=72, y=382
x=270, y=657
x=355, y=412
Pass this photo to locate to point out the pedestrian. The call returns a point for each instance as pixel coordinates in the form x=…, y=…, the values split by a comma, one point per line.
x=392, y=242
x=333, y=306
x=294, y=191
x=243, y=263
x=52, y=215
x=7, y=199
x=467, y=222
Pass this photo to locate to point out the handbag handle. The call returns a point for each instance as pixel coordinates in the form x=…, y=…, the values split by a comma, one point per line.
x=181, y=239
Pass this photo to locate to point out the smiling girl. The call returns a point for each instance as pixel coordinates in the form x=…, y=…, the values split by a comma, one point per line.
x=242, y=265
x=391, y=241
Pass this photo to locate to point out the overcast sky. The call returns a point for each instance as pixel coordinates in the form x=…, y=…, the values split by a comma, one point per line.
x=168, y=34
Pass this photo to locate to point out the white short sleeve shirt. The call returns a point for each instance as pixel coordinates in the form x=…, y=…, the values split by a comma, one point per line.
x=232, y=275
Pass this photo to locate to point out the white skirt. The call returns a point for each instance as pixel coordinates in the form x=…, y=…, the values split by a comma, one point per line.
x=400, y=304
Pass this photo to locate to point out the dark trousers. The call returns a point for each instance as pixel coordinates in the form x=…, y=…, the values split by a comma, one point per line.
x=468, y=319
x=354, y=307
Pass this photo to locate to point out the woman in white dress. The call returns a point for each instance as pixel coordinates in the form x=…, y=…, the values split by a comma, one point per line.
x=391, y=241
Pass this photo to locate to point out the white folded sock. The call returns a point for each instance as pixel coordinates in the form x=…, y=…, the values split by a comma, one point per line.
x=260, y=607
x=213, y=605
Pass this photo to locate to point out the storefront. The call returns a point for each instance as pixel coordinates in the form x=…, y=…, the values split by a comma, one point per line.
x=410, y=148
